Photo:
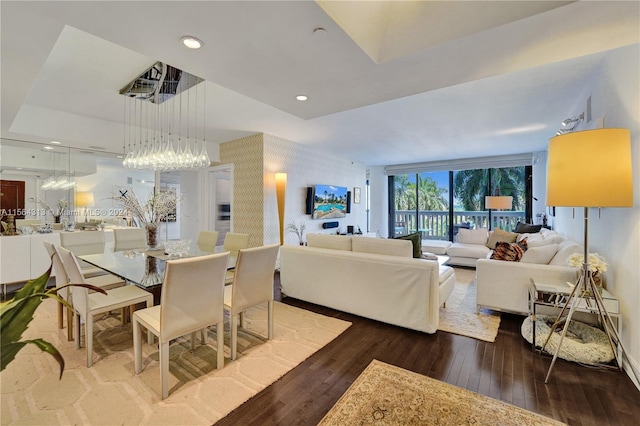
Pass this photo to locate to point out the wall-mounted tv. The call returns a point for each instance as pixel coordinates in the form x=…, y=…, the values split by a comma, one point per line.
x=329, y=202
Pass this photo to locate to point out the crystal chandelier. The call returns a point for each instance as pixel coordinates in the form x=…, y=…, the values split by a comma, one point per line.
x=154, y=136
x=61, y=182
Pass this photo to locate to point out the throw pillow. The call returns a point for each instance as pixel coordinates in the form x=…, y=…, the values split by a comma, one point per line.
x=540, y=255
x=416, y=240
x=500, y=235
x=512, y=252
x=527, y=228
x=473, y=236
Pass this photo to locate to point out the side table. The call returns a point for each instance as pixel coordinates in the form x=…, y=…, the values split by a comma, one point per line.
x=556, y=295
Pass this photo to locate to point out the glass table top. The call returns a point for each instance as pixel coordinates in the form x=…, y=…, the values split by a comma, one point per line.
x=141, y=267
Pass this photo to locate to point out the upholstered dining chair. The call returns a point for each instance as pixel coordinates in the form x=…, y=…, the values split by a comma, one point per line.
x=87, y=305
x=207, y=240
x=234, y=241
x=192, y=297
x=252, y=285
x=129, y=239
x=105, y=282
x=84, y=242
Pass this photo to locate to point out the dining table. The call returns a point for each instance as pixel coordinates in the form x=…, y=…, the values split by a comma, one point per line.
x=141, y=267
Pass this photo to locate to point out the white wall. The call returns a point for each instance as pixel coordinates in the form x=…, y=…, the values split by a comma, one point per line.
x=306, y=166
x=109, y=176
x=615, y=97
x=379, y=215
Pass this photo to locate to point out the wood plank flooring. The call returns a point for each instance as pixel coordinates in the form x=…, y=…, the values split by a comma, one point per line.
x=506, y=370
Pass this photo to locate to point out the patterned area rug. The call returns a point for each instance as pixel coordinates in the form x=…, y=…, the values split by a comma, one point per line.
x=110, y=392
x=388, y=395
x=460, y=316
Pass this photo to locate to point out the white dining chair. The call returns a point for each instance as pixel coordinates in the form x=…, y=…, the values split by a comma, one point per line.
x=129, y=239
x=192, y=298
x=252, y=285
x=234, y=241
x=105, y=282
x=87, y=305
x=207, y=240
x=84, y=242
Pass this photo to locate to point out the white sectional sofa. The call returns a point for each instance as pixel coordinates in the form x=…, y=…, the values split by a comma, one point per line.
x=504, y=285
x=371, y=277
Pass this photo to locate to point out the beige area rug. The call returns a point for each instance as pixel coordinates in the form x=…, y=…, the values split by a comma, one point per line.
x=388, y=395
x=460, y=316
x=110, y=393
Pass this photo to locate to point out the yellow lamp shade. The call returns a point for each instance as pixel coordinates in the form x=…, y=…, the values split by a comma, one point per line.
x=591, y=168
x=84, y=199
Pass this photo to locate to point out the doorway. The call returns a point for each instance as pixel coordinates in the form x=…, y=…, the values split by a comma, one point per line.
x=220, y=200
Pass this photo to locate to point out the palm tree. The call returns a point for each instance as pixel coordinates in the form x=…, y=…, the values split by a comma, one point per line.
x=430, y=197
x=402, y=192
x=471, y=186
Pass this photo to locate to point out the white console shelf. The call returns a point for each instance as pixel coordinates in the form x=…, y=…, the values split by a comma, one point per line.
x=24, y=257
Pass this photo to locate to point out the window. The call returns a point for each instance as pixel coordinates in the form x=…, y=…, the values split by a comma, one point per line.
x=437, y=204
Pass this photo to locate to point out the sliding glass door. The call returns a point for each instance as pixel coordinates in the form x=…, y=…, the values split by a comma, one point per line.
x=438, y=204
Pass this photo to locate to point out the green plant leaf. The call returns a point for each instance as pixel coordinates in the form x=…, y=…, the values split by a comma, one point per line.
x=10, y=351
x=17, y=313
x=15, y=319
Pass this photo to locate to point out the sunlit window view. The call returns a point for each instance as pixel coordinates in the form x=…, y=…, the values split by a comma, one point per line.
x=427, y=203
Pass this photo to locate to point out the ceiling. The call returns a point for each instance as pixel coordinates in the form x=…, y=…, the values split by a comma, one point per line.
x=388, y=82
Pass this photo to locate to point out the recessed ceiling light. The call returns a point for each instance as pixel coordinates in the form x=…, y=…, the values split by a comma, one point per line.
x=119, y=156
x=191, y=42
x=56, y=143
x=47, y=147
x=302, y=97
x=18, y=168
x=320, y=32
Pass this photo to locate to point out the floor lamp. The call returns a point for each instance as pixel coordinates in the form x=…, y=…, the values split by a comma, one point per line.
x=281, y=188
x=591, y=168
x=496, y=202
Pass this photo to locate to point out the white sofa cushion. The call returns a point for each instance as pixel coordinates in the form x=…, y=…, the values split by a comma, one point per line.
x=473, y=236
x=556, y=239
x=474, y=251
x=546, y=233
x=334, y=242
x=403, y=248
x=541, y=255
x=565, y=249
x=530, y=237
x=436, y=246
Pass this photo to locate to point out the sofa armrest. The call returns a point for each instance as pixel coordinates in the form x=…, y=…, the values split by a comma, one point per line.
x=504, y=286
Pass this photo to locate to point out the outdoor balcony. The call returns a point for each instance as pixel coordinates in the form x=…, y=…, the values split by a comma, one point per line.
x=434, y=225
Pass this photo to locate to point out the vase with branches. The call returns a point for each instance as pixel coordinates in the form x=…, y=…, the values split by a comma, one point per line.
x=149, y=213
x=297, y=229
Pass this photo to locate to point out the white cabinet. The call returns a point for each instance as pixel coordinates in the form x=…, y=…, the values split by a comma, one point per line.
x=40, y=260
x=23, y=257
x=15, y=258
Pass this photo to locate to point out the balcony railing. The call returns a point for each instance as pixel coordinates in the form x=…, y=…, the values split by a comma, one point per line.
x=435, y=224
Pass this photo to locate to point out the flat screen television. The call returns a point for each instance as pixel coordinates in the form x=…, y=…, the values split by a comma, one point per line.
x=329, y=202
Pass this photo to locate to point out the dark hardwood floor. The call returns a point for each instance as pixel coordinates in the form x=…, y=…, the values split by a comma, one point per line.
x=506, y=370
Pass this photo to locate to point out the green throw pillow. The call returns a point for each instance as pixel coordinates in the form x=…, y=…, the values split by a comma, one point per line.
x=416, y=240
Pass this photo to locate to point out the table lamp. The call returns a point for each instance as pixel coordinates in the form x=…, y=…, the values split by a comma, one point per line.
x=590, y=168
x=497, y=202
x=84, y=199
